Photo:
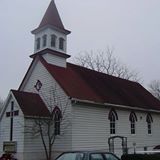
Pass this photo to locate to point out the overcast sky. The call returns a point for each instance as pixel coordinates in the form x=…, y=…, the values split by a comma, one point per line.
x=132, y=27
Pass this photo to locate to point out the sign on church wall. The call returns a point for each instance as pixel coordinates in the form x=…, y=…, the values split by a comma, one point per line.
x=10, y=147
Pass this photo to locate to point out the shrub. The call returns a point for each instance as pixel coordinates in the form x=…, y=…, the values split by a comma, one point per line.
x=141, y=157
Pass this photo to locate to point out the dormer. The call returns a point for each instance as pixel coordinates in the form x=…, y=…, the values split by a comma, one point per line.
x=51, y=34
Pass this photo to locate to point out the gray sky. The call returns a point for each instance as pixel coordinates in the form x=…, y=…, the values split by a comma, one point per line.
x=132, y=27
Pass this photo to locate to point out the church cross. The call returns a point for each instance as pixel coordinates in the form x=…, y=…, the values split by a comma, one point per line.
x=11, y=114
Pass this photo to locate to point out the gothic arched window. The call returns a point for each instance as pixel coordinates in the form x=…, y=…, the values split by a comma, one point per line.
x=53, y=40
x=112, y=117
x=149, y=121
x=57, y=120
x=133, y=119
x=61, y=43
x=44, y=40
x=38, y=43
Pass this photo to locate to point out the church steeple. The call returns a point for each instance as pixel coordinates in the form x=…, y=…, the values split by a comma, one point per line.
x=51, y=17
x=51, y=32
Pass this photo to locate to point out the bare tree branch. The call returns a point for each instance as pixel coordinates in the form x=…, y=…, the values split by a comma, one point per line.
x=154, y=88
x=44, y=127
x=104, y=61
x=1, y=104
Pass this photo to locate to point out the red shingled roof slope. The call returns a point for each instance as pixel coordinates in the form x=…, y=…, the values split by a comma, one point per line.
x=31, y=104
x=85, y=84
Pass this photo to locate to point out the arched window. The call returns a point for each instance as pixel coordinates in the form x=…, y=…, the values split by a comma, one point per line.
x=38, y=43
x=61, y=43
x=133, y=119
x=57, y=120
x=112, y=117
x=149, y=121
x=44, y=40
x=53, y=40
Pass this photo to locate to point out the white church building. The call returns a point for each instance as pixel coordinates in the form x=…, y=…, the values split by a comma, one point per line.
x=99, y=111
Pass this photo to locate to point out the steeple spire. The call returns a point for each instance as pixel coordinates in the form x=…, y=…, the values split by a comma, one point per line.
x=51, y=18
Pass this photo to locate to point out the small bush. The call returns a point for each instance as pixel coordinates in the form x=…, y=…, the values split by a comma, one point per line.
x=141, y=157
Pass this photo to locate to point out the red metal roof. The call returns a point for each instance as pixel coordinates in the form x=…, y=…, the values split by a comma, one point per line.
x=31, y=104
x=85, y=84
x=52, y=18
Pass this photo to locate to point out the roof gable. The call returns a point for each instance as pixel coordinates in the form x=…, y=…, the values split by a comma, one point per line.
x=8, y=100
x=31, y=104
x=29, y=72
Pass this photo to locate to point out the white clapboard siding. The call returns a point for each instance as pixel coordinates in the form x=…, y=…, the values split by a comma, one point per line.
x=63, y=142
x=91, y=130
x=18, y=129
x=55, y=60
x=141, y=137
x=33, y=146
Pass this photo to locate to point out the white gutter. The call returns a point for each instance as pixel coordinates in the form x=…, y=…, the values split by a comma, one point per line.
x=114, y=105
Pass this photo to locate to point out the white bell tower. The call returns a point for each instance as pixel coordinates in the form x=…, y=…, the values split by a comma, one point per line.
x=51, y=33
x=51, y=38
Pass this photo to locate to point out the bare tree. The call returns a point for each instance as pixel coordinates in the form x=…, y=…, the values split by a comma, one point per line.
x=52, y=126
x=104, y=61
x=154, y=88
x=1, y=104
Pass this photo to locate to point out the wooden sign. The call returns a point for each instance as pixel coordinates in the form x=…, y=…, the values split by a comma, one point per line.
x=10, y=147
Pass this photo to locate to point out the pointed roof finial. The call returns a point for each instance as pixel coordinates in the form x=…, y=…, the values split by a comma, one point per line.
x=52, y=18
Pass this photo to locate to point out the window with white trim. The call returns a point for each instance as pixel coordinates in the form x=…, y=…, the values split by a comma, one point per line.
x=133, y=119
x=57, y=121
x=38, y=43
x=44, y=40
x=61, y=43
x=113, y=117
x=133, y=125
x=112, y=124
x=53, y=40
x=149, y=121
